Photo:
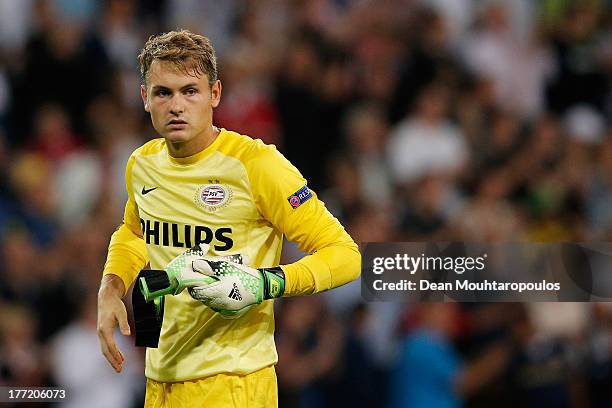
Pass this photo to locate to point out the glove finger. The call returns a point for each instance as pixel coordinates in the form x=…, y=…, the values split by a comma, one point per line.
x=204, y=293
x=246, y=260
x=202, y=266
x=204, y=248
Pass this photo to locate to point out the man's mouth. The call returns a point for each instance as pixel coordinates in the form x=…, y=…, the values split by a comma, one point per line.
x=177, y=124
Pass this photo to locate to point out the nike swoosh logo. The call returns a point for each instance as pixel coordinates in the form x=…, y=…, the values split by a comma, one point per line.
x=147, y=191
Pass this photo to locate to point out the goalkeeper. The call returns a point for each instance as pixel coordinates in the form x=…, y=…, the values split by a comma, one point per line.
x=236, y=198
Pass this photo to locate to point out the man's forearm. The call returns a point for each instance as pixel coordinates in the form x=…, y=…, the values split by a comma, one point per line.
x=111, y=285
x=127, y=255
x=325, y=269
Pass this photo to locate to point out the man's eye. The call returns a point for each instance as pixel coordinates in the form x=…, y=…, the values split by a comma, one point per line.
x=191, y=91
x=162, y=92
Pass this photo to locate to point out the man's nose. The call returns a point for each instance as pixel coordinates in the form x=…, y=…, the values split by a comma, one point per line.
x=176, y=107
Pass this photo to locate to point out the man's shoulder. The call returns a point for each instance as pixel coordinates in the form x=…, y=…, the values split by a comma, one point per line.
x=245, y=148
x=151, y=147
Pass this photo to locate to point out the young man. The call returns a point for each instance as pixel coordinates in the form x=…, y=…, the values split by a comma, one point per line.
x=200, y=184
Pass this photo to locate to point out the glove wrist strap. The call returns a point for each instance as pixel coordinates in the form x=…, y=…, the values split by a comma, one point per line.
x=274, y=282
x=155, y=283
x=148, y=316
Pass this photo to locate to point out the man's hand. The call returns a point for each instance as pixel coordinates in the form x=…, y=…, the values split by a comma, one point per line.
x=236, y=286
x=177, y=275
x=111, y=311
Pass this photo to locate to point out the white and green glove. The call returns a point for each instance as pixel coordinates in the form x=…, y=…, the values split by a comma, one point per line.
x=177, y=275
x=236, y=286
x=222, y=283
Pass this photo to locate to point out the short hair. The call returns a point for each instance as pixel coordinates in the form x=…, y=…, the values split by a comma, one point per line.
x=190, y=53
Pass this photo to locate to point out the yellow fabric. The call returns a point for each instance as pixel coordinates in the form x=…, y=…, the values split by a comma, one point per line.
x=328, y=268
x=274, y=179
x=256, y=390
x=127, y=252
x=249, y=216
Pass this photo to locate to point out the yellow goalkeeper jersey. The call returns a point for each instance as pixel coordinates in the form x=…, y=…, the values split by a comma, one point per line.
x=240, y=196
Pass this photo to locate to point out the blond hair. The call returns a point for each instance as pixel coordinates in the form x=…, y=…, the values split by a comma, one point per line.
x=190, y=53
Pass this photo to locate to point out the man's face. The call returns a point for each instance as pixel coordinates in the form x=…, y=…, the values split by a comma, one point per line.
x=180, y=105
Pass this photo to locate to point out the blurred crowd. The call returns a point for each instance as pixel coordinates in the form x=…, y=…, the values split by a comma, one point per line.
x=414, y=120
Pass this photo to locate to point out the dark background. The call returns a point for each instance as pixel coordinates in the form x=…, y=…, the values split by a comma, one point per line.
x=414, y=120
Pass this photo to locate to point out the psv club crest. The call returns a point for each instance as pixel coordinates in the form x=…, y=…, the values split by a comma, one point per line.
x=214, y=196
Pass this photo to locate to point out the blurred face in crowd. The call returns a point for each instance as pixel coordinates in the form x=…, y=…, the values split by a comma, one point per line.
x=443, y=317
x=181, y=105
x=433, y=104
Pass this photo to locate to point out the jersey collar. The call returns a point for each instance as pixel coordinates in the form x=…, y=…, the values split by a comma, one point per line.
x=200, y=155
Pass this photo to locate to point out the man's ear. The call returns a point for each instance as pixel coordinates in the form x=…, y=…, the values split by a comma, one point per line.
x=143, y=94
x=215, y=93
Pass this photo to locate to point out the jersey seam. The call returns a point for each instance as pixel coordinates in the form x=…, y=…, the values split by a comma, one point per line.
x=251, y=196
x=249, y=183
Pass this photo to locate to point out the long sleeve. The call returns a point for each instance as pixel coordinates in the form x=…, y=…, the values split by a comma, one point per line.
x=282, y=197
x=127, y=253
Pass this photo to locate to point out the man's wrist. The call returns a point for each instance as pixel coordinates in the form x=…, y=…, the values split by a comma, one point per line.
x=274, y=282
x=111, y=286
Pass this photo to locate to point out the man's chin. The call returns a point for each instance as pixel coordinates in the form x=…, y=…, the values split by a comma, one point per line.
x=177, y=136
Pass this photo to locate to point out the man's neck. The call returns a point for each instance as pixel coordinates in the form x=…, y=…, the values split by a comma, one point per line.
x=194, y=146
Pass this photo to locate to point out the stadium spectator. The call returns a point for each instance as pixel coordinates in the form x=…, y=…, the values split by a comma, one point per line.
x=423, y=120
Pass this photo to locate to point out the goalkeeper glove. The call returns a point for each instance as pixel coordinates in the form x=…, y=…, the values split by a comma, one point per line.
x=177, y=276
x=236, y=286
